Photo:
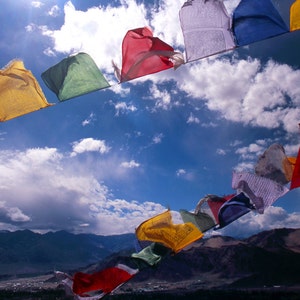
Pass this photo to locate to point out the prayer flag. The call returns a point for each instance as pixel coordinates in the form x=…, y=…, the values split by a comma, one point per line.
x=162, y=230
x=74, y=76
x=256, y=20
x=20, y=92
x=214, y=204
x=263, y=192
x=201, y=220
x=143, y=54
x=295, y=182
x=151, y=254
x=274, y=164
x=295, y=16
x=206, y=28
x=106, y=280
x=233, y=209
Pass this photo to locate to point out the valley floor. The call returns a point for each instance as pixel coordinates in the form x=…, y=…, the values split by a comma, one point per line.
x=47, y=288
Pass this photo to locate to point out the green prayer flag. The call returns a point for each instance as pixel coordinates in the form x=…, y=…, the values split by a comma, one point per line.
x=74, y=76
x=202, y=220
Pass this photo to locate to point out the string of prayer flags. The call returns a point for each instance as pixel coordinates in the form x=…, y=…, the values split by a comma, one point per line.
x=206, y=28
x=20, y=92
x=256, y=20
x=295, y=16
x=295, y=182
x=144, y=54
x=74, y=76
x=262, y=191
x=161, y=229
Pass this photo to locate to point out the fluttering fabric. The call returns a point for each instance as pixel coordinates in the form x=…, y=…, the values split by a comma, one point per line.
x=106, y=280
x=74, y=76
x=161, y=229
x=206, y=28
x=295, y=182
x=256, y=20
x=263, y=192
x=275, y=165
x=151, y=255
x=295, y=16
x=143, y=54
x=201, y=220
x=214, y=203
x=233, y=209
x=20, y=92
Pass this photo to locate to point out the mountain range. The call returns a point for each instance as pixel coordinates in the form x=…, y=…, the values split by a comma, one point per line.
x=270, y=258
x=27, y=252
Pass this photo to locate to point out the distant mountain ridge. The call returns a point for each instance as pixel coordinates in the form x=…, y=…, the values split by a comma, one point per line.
x=24, y=251
x=267, y=259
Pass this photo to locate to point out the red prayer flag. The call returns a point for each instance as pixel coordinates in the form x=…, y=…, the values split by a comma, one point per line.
x=106, y=280
x=143, y=54
x=295, y=182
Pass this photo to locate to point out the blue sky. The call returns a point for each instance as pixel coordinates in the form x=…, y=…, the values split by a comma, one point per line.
x=104, y=162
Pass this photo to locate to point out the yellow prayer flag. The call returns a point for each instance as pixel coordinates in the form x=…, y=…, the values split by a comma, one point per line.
x=20, y=92
x=162, y=230
x=295, y=16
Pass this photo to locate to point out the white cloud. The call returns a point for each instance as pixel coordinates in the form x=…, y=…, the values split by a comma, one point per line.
x=37, y=4
x=221, y=151
x=243, y=91
x=47, y=190
x=105, y=26
x=192, y=119
x=252, y=223
x=89, y=145
x=89, y=119
x=130, y=164
x=253, y=94
x=186, y=175
x=157, y=138
x=54, y=11
x=123, y=107
x=162, y=97
x=180, y=172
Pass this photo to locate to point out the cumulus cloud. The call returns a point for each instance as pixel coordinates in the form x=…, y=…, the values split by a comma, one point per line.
x=254, y=94
x=89, y=145
x=123, y=107
x=43, y=190
x=239, y=90
x=85, y=31
x=37, y=4
x=54, y=11
x=157, y=138
x=186, y=175
x=89, y=119
x=193, y=119
x=130, y=164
